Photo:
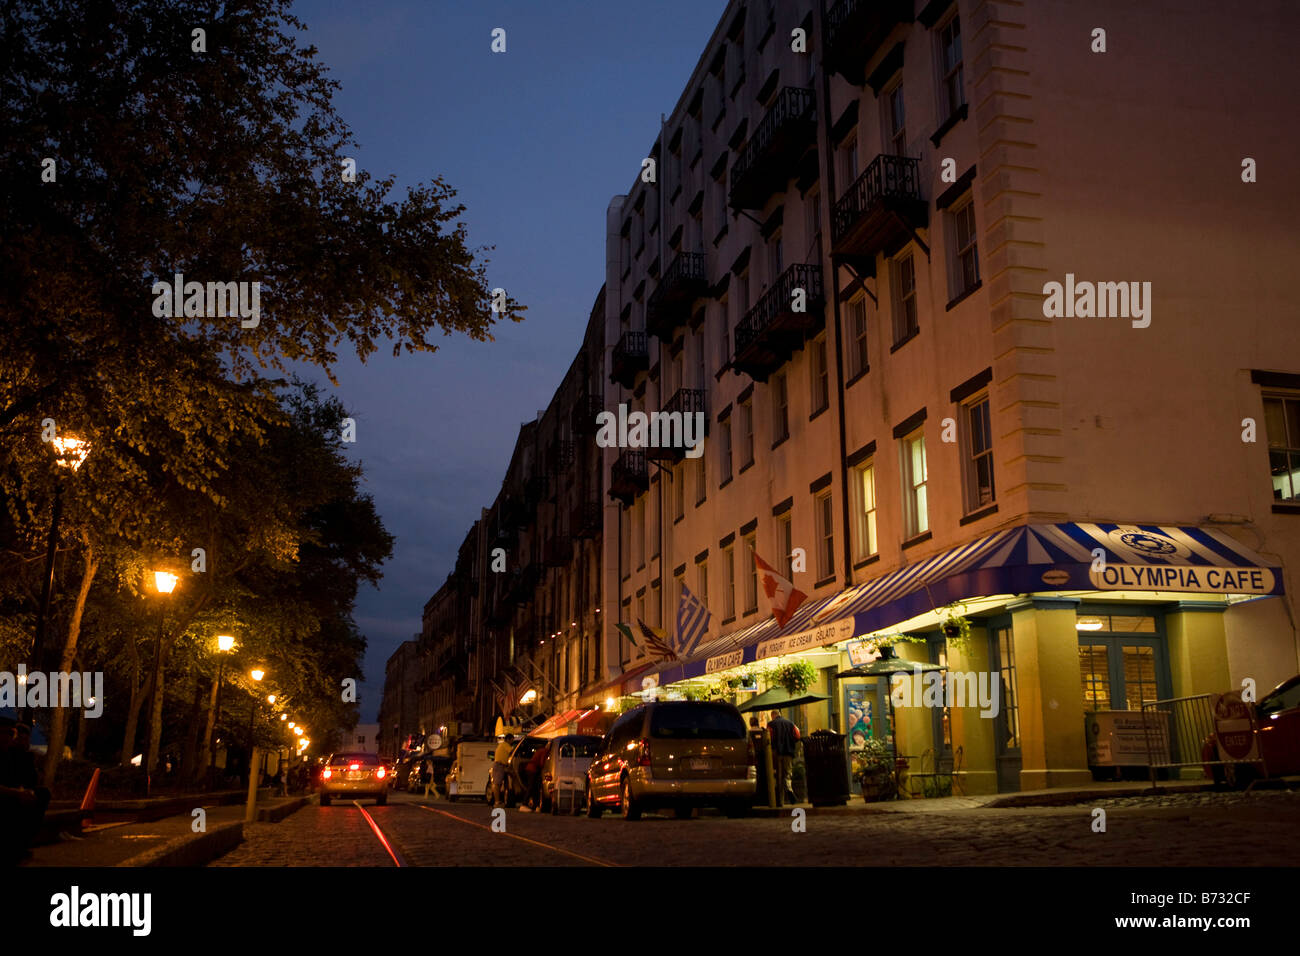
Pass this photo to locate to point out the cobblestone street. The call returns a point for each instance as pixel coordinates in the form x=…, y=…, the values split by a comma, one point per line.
x=1228, y=829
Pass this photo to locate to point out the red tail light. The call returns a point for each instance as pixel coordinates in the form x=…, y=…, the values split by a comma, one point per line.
x=643, y=757
x=380, y=773
x=327, y=773
x=354, y=766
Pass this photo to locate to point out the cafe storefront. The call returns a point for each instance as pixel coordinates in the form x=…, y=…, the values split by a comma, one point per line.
x=1060, y=620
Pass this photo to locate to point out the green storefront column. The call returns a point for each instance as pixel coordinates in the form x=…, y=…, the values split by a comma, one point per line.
x=1053, y=750
x=915, y=732
x=973, y=733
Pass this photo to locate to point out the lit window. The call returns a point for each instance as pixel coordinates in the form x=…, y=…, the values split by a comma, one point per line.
x=1282, y=421
x=905, y=323
x=751, y=576
x=729, y=583
x=950, y=63
x=819, y=375
x=979, y=450
x=780, y=408
x=864, y=508
x=825, y=535
x=746, y=432
x=915, y=475
x=966, y=266
x=724, y=451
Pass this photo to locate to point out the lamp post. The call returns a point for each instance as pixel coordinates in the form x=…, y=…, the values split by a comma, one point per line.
x=69, y=452
x=164, y=583
x=250, y=807
x=225, y=644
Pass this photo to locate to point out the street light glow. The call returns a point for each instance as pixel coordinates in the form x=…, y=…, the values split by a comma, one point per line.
x=298, y=731
x=164, y=581
x=225, y=642
x=257, y=673
x=284, y=716
x=529, y=697
x=70, y=452
x=270, y=698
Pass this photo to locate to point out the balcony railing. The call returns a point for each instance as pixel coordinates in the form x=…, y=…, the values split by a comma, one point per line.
x=631, y=355
x=879, y=210
x=767, y=161
x=628, y=477
x=672, y=424
x=585, y=520
x=776, y=327
x=584, y=413
x=855, y=29
x=562, y=457
x=670, y=303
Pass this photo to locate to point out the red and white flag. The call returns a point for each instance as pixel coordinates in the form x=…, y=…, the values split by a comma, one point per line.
x=781, y=594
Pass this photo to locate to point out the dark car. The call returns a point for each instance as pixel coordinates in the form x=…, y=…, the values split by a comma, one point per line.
x=680, y=754
x=1264, y=737
x=565, y=772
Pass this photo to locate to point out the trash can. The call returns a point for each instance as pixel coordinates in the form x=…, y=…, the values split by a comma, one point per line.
x=827, y=766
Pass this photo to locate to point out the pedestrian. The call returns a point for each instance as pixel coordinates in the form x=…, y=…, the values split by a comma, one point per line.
x=426, y=775
x=534, y=776
x=784, y=735
x=753, y=722
x=23, y=800
x=501, y=771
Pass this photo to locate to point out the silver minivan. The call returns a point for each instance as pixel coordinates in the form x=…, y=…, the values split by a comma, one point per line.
x=680, y=754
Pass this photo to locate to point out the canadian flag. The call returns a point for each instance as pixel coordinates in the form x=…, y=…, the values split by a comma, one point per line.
x=781, y=594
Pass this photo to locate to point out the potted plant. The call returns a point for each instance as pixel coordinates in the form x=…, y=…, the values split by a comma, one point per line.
x=956, y=626
x=872, y=770
x=796, y=677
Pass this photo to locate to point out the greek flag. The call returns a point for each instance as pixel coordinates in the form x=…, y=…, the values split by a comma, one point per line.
x=692, y=623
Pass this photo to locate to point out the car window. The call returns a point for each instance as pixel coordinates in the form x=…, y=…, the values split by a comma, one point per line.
x=343, y=760
x=1288, y=698
x=682, y=720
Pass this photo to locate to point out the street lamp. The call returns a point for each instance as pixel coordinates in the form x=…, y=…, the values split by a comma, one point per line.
x=69, y=453
x=270, y=698
x=225, y=644
x=257, y=673
x=164, y=582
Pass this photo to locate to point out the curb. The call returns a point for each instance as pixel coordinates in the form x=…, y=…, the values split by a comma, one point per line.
x=278, y=813
x=192, y=849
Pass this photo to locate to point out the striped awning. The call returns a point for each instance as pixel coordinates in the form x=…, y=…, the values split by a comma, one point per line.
x=1030, y=558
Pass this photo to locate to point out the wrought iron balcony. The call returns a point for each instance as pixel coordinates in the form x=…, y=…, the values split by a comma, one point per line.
x=628, y=477
x=776, y=327
x=585, y=520
x=671, y=424
x=670, y=303
x=562, y=457
x=878, y=212
x=855, y=29
x=768, y=160
x=585, y=411
x=631, y=355
x=523, y=583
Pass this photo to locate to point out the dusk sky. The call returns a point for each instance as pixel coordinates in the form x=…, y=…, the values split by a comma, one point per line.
x=536, y=141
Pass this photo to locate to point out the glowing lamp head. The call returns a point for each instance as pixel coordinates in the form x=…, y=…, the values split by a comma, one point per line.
x=609, y=703
x=70, y=452
x=298, y=731
x=164, y=581
x=225, y=642
x=284, y=716
x=529, y=697
x=270, y=698
x=257, y=673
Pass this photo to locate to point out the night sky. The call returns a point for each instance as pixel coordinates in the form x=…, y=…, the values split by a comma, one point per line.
x=536, y=141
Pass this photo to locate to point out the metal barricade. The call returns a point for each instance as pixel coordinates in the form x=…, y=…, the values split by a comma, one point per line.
x=1214, y=732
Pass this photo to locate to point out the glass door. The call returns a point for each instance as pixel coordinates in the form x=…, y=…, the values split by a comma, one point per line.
x=1006, y=725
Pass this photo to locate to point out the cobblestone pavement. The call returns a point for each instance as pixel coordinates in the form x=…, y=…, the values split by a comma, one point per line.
x=1240, y=830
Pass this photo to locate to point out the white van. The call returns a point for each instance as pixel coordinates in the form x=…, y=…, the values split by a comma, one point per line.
x=471, y=772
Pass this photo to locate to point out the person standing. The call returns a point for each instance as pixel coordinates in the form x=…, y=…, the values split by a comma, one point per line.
x=501, y=771
x=784, y=735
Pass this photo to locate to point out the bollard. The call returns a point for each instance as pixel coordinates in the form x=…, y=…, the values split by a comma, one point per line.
x=250, y=809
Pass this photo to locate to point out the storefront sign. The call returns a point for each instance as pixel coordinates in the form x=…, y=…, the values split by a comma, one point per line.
x=862, y=653
x=831, y=633
x=1167, y=577
x=724, y=662
x=1127, y=738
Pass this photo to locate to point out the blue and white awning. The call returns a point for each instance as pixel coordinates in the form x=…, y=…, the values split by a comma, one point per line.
x=1038, y=557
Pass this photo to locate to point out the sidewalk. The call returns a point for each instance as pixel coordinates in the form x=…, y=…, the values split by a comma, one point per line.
x=170, y=841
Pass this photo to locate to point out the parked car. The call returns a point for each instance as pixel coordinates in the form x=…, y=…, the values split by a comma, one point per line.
x=1264, y=736
x=523, y=752
x=564, y=775
x=471, y=772
x=680, y=754
x=351, y=775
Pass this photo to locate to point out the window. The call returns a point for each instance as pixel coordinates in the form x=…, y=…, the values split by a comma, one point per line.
x=785, y=546
x=979, y=452
x=950, y=64
x=724, y=331
x=864, y=510
x=746, y=432
x=625, y=539
x=678, y=475
x=655, y=507
x=701, y=359
x=638, y=531
x=656, y=606
x=1282, y=421
x=751, y=576
x=724, y=451
x=895, y=121
x=916, y=514
x=729, y=583
x=1006, y=664
x=640, y=606
x=817, y=371
x=780, y=408
x=1094, y=668
x=721, y=211
x=905, y=298
x=848, y=160
x=825, y=536
x=742, y=295
x=813, y=209
x=775, y=258
x=702, y=582
x=857, y=335
x=701, y=480
x=966, y=267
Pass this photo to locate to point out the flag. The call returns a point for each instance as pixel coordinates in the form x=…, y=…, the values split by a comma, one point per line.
x=656, y=641
x=627, y=632
x=781, y=594
x=692, y=622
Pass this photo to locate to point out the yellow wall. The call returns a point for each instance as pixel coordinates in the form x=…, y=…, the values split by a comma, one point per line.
x=1052, y=746
x=969, y=730
x=1198, y=652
